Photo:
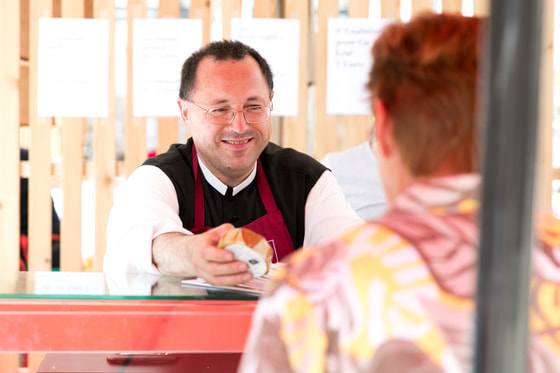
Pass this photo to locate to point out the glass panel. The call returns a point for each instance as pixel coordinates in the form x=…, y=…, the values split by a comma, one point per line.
x=97, y=285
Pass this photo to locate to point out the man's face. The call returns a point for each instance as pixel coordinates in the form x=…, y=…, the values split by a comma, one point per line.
x=231, y=150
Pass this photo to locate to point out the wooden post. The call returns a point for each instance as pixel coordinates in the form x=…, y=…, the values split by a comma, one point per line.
x=356, y=127
x=24, y=66
x=265, y=9
x=418, y=6
x=9, y=362
x=325, y=131
x=72, y=173
x=452, y=6
x=201, y=9
x=135, y=152
x=9, y=140
x=168, y=127
x=544, y=174
x=481, y=7
x=268, y=9
x=40, y=203
x=104, y=143
x=295, y=128
x=391, y=9
x=230, y=9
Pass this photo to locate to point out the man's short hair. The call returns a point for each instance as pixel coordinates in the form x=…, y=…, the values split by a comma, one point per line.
x=425, y=73
x=220, y=51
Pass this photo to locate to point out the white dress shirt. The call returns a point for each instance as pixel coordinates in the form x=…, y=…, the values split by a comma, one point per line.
x=146, y=207
x=357, y=172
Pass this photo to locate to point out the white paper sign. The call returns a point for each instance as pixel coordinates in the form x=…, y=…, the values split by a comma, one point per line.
x=159, y=48
x=277, y=40
x=73, y=67
x=349, y=62
x=67, y=283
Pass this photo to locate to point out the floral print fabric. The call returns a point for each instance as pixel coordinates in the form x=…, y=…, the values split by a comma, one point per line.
x=398, y=290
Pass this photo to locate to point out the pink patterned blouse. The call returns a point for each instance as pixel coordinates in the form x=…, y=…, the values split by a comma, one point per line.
x=397, y=294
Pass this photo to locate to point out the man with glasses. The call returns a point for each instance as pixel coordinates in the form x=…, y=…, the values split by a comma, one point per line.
x=175, y=207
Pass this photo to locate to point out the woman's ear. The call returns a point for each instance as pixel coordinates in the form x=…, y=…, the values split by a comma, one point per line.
x=383, y=129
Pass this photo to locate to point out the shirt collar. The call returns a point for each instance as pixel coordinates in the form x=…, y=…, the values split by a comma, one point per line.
x=221, y=187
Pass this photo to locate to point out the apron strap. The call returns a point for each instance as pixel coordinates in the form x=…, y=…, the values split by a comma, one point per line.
x=264, y=190
x=198, y=195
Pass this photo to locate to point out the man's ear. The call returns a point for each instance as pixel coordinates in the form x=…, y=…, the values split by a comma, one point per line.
x=383, y=129
x=183, y=109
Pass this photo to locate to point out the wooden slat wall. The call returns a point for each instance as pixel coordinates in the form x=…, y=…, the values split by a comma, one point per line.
x=356, y=127
x=453, y=6
x=200, y=9
x=481, y=7
x=9, y=362
x=104, y=151
x=390, y=9
x=23, y=33
x=40, y=208
x=325, y=139
x=230, y=9
x=294, y=129
x=544, y=174
x=266, y=9
x=9, y=140
x=72, y=172
x=329, y=132
x=167, y=127
x=136, y=149
x=418, y=6
x=9, y=168
x=270, y=9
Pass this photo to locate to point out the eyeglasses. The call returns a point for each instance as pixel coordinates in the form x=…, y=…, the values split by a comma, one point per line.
x=225, y=115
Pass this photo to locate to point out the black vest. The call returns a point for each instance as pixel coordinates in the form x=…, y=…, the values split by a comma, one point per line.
x=290, y=174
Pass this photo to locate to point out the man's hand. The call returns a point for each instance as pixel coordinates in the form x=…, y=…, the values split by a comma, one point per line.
x=179, y=254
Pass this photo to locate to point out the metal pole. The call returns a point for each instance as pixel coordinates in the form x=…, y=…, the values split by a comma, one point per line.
x=509, y=125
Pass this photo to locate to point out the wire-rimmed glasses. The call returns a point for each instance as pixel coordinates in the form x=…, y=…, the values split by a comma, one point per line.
x=252, y=114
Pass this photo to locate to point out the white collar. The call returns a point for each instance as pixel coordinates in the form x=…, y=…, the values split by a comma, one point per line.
x=221, y=187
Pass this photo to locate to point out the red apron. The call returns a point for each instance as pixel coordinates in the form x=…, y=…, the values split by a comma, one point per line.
x=271, y=226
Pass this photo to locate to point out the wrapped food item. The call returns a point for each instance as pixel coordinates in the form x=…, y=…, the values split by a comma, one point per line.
x=249, y=247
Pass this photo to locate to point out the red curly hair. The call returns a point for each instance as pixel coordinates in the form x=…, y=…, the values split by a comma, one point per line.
x=425, y=73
